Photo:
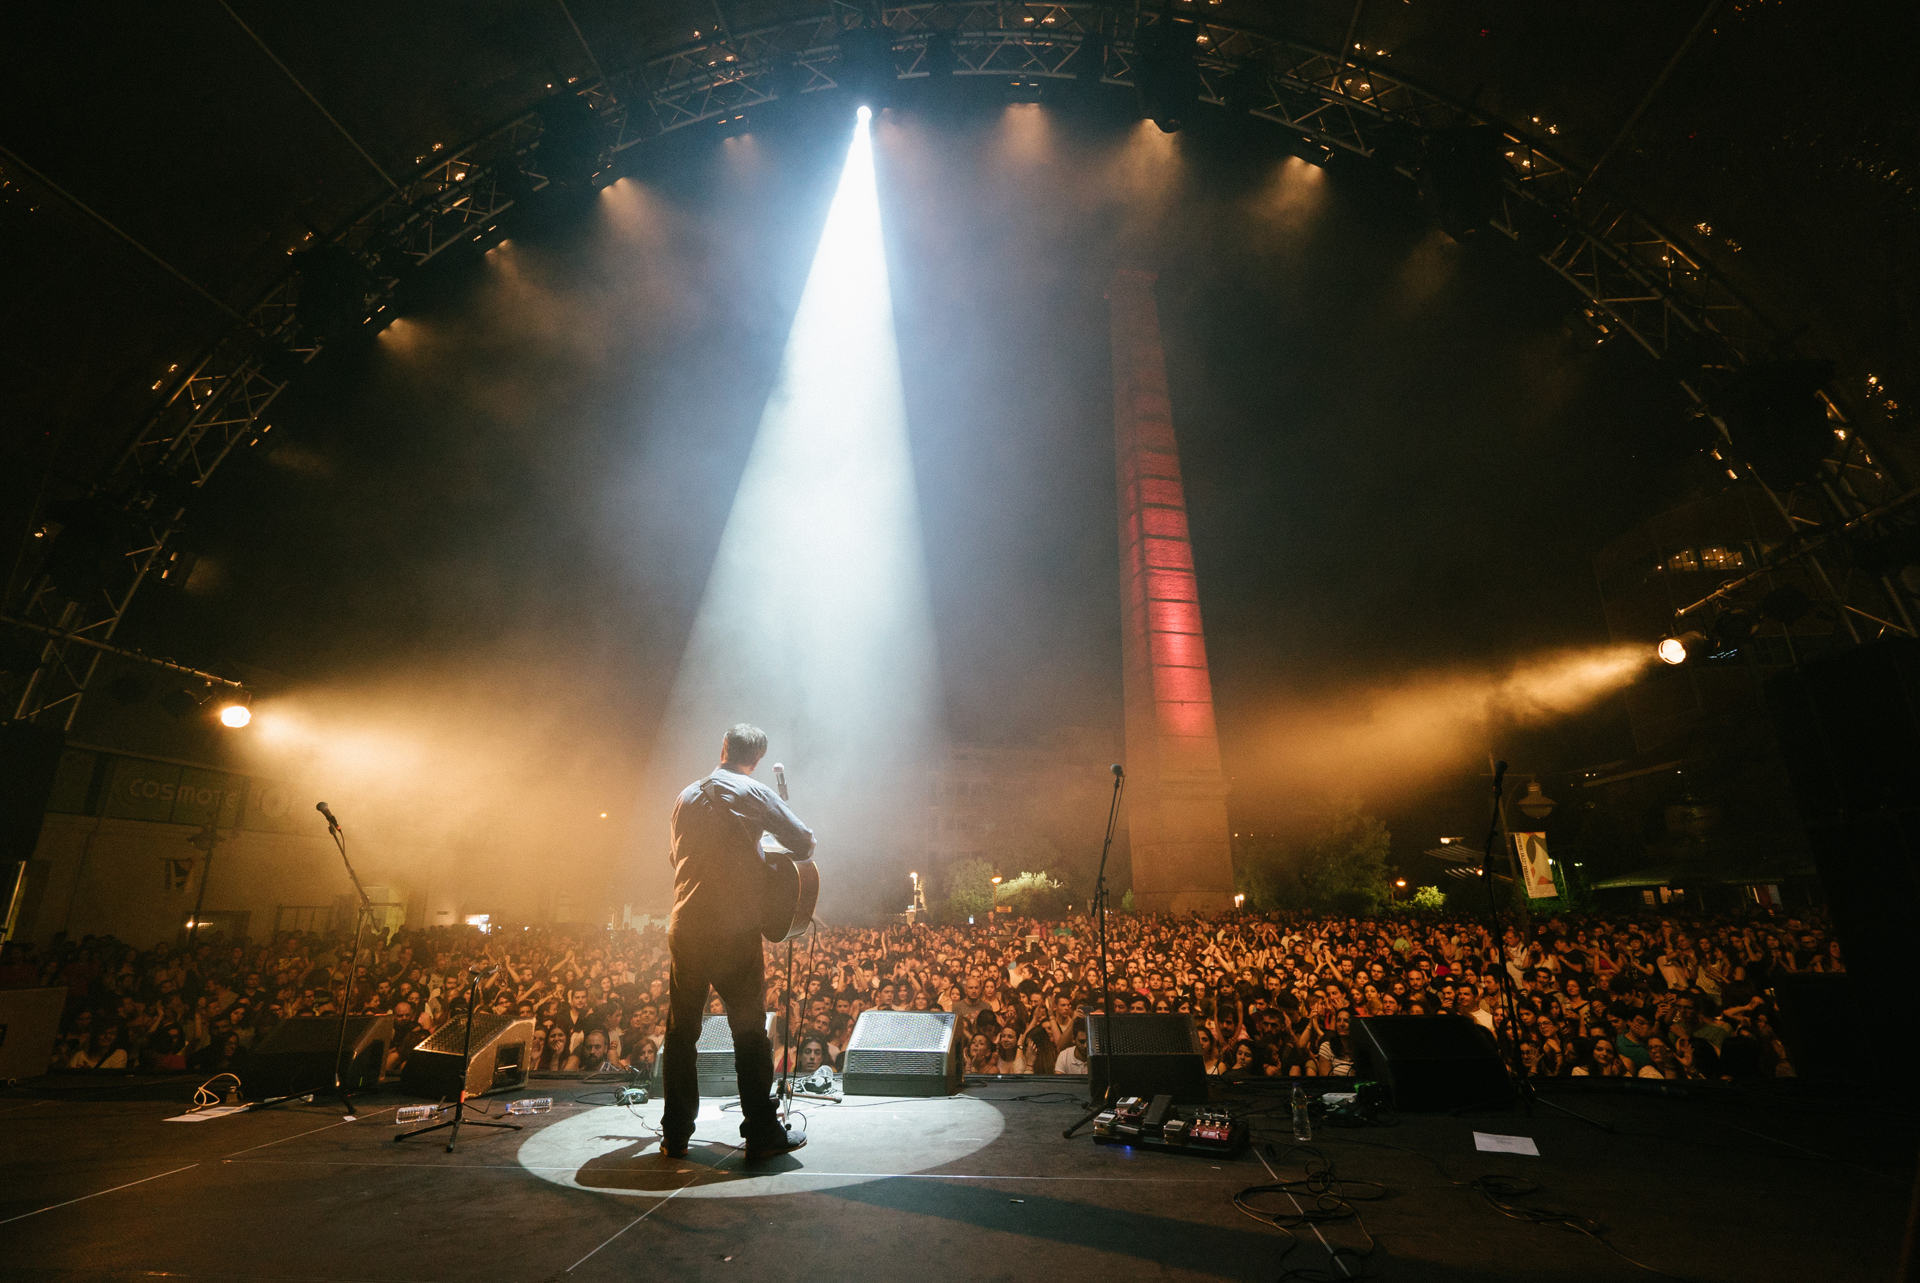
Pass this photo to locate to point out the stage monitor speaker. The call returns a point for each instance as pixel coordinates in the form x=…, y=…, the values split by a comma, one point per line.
x=29, y=1022
x=1431, y=1063
x=903, y=1053
x=498, y=1062
x=1820, y=1015
x=293, y=1058
x=713, y=1056
x=1148, y=1055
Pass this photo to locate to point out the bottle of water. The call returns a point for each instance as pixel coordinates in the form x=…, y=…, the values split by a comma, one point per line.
x=535, y=1105
x=414, y=1114
x=1302, y=1123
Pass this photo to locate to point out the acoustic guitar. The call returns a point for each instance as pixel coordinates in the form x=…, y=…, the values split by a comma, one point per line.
x=791, y=888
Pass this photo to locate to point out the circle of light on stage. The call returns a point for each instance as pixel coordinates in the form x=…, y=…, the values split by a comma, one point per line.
x=235, y=714
x=607, y=1151
x=1672, y=650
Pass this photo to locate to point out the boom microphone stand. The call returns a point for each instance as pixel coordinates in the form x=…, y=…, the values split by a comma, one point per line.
x=1106, y=984
x=466, y=1059
x=1509, y=998
x=362, y=912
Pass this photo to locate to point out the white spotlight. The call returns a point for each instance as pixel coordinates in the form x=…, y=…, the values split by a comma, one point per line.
x=235, y=713
x=1672, y=650
x=865, y=113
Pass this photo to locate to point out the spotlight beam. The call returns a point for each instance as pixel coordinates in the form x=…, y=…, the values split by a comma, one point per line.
x=816, y=621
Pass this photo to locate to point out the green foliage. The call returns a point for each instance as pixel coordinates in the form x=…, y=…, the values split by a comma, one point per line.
x=1339, y=867
x=1428, y=899
x=966, y=891
x=1033, y=895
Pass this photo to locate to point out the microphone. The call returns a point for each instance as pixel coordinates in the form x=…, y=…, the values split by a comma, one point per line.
x=1118, y=774
x=333, y=825
x=779, y=771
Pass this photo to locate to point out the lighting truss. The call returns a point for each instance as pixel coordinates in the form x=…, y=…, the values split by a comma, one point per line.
x=1639, y=281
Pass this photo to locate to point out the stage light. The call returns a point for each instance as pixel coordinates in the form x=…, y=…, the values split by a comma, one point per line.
x=236, y=710
x=1676, y=649
x=865, y=113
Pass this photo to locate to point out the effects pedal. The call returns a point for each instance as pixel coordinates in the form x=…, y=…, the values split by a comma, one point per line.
x=1153, y=1124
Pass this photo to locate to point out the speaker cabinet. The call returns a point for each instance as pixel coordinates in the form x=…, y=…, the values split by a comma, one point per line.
x=498, y=1061
x=713, y=1056
x=903, y=1053
x=1145, y=1055
x=1431, y=1063
x=29, y=1023
x=1848, y=726
x=293, y=1058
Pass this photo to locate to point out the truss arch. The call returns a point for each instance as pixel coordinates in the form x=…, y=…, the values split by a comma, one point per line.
x=1636, y=281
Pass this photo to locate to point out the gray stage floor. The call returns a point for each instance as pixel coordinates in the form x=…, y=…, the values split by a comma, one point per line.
x=98, y=1185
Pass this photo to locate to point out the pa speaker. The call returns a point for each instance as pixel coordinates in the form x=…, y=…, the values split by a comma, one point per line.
x=29, y=1023
x=1145, y=1055
x=1431, y=1063
x=713, y=1056
x=498, y=1061
x=293, y=1058
x=903, y=1053
x=29, y=756
x=1848, y=726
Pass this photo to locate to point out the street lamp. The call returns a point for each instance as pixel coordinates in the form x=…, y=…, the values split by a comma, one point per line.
x=1536, y=805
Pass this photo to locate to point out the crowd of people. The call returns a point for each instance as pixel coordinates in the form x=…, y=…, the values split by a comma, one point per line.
x=1270, y=995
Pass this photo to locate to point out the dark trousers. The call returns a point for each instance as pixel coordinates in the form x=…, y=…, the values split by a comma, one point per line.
x=729, y=963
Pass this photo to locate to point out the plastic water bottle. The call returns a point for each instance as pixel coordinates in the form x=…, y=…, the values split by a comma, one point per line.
x=1302, y=1122
x=535, y=1105
x=413, y=1114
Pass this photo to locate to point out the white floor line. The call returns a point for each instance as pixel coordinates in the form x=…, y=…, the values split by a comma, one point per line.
x=644, y=1215
x=799, y=1172
x=84, y=1197
x=1341, y=1261
x=310, y=1131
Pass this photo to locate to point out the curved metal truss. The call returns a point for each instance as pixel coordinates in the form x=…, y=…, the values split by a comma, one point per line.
x=1638, y=281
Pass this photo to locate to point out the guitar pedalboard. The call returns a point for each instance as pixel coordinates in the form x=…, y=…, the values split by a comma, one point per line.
x=1154, y=1124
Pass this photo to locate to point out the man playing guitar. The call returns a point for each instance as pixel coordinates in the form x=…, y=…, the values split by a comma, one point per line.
x=714, y=938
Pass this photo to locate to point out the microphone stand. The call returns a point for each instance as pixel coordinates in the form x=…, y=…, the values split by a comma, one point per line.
x=362, y=911
x=1097, y=1107
x=1510, y=998
x=460, y=1102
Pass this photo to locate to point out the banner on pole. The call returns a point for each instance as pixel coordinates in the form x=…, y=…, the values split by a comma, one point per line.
x=1535, y=867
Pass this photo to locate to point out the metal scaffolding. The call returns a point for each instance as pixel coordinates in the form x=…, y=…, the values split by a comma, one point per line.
x=1638, y=281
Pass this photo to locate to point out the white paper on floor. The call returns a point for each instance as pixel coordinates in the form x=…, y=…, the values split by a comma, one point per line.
x=211, y=1111
x=1494, y=1143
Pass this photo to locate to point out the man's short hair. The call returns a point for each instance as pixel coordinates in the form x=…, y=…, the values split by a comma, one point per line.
x=745, y=744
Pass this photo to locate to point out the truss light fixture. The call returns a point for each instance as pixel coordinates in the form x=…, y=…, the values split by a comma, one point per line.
x=236, y=710
x=1676, y=649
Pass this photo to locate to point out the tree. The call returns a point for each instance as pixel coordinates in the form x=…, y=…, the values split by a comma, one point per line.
x=1344, y=862
x=1340, y=866
x=966, y=891
x=1033, y=895
x=1428, y=899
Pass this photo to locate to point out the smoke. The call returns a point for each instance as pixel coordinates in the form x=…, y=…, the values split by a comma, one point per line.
x=1396, y=739
x=481, y=771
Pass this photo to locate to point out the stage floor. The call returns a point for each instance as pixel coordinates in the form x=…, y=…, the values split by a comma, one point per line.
x=97, y=1184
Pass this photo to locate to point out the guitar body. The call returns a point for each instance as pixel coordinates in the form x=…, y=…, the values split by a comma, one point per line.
x=790, y=889
x=789, y=892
